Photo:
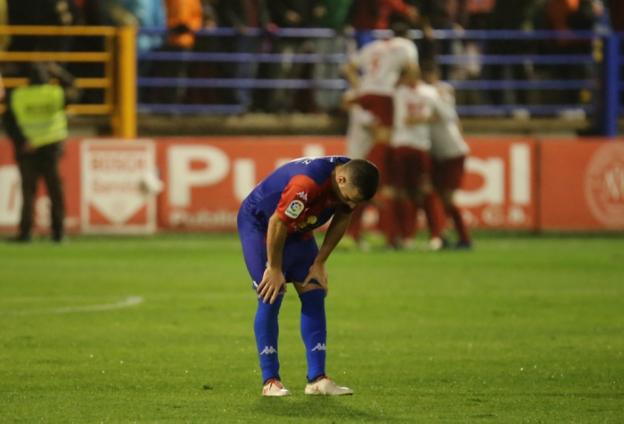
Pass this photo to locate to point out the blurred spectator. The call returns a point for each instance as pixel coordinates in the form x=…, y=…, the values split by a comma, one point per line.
x=369, y=15
x=203, y=69
x=474, y=15
x=184, y=18
x=616, y=8
x=564, y=15
x=36, y=122
x=89, y=12
x=245, y=15
x=148, y=14
x=331, y=14
x=292, y=14
x=113, y=13
x=510, y=15
x=571, y=15
x=210, y=13
x=602, y=18
x=441, y=15
x=42, y=12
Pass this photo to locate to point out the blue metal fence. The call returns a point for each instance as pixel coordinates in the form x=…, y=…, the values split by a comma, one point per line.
x=601, y=62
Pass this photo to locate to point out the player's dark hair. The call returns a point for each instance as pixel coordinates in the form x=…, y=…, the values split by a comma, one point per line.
x=364, y=175
x=400, y=29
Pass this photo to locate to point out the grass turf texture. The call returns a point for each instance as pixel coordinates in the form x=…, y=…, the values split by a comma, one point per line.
x=522, y=329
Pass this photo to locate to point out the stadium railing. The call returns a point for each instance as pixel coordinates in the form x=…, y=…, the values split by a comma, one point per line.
x=598, y=64
x=116, y=80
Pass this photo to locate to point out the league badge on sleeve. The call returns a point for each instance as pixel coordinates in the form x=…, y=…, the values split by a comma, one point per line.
x=294, y=209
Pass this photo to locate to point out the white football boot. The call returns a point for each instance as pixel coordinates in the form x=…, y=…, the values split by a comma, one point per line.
x=436, y=244
x=274, y=387
x=325, y=386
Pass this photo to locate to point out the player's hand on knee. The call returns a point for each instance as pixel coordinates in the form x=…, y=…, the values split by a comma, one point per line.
x=316, y=282
x=317, y=275
x=271, y=285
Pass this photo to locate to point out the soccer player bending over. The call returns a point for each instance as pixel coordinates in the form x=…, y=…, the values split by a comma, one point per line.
x=275, y=224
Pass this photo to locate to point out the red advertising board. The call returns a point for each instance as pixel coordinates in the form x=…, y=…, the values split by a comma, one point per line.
x=11, y=197
x=499, y=189
x=582, y=185
x=114, y=196
x=207, y=178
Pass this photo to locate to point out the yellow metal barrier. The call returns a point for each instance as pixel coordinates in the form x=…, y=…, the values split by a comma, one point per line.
x=126, y=124
x=119, y=64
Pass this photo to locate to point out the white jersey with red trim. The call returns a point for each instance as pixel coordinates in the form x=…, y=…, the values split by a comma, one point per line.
x=382, y=62
x=359, y=135
x=417, y=102
x=446, y=138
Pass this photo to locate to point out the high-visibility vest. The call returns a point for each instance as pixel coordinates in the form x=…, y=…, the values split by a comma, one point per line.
x=40, y=113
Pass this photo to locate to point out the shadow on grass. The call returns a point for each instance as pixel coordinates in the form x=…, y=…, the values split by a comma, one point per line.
x=318, y=407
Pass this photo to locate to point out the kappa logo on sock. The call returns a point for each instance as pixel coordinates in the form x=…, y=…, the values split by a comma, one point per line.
x=319, y=347
x=268, y=350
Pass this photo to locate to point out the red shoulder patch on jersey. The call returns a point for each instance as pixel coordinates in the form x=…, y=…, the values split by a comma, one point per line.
x=296, y=196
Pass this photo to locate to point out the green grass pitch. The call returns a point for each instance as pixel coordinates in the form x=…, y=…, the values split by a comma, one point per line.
x=522, y=329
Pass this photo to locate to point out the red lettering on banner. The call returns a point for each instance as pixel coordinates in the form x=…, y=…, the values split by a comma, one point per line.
x=499, y=187
x=206, y=179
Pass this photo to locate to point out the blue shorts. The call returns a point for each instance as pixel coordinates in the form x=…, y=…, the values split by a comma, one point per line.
x=299, y=252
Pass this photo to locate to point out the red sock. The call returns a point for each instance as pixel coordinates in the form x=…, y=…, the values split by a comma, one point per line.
x=433, y=216
x=460, y=225
x=440, y=211
x=411, y=214
x=403, y=213
x=388, y=223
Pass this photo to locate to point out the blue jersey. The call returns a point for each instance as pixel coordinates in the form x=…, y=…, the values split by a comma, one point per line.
x=301, y=191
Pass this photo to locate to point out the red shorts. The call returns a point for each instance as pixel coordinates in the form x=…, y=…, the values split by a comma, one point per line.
x=382, y=107
x=381, y=156
x=410, y=166
x=448, y=174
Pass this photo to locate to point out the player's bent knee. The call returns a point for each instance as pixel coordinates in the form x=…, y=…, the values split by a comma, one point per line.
x=308, y=287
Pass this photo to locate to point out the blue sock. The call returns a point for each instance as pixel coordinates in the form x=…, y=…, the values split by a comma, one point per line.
x=266, y=329
x=314, y=331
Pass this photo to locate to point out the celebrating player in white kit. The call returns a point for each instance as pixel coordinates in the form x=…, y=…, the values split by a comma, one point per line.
x=359, y=143
x=381, y=64
x=449, y=151
x=416, y=105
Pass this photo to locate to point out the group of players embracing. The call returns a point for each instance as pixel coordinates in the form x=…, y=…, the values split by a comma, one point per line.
x=403, y=119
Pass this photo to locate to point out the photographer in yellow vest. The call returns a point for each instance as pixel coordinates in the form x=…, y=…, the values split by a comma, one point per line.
x=36, y=122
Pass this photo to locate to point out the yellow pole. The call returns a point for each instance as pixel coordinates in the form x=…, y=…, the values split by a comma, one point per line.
x=127, y=84
x=109, y=73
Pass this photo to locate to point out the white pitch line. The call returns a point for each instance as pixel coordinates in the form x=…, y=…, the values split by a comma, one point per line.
x=128, y=302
